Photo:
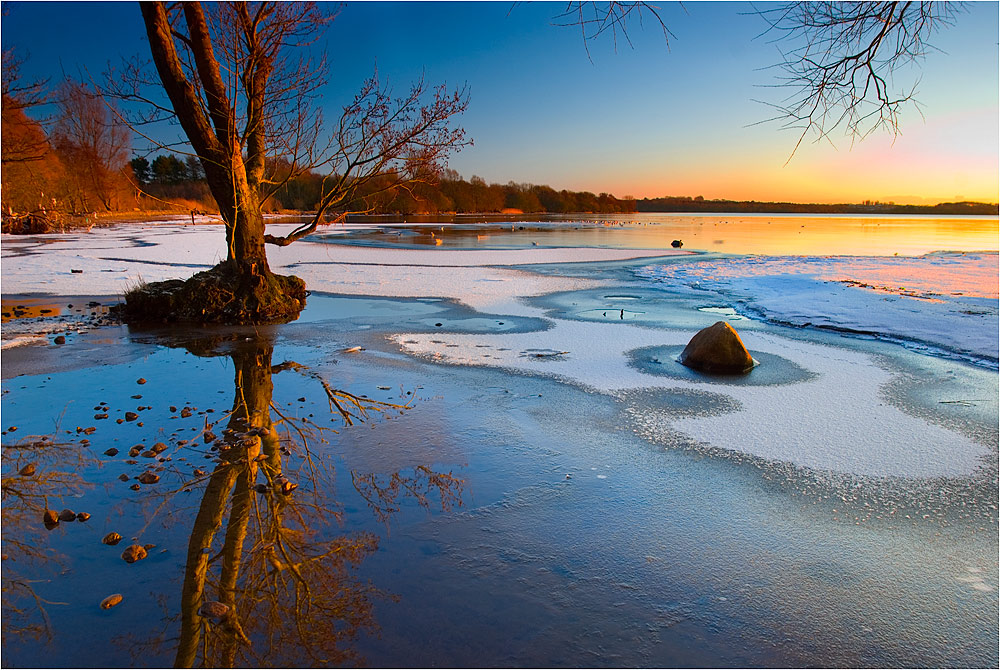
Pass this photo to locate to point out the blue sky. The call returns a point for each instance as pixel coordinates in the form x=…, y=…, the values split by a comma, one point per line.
x=644, y=120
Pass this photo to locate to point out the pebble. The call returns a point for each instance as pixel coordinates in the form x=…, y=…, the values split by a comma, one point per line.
x=131, y=416
x=124, y=477
x=111, y=601
x=134, y=553
x=135, y=487
x=112, y=539
x=111, y=452
x=82, y=516
x=140, y=380
x=213, y=609
x=67, y=515
x=149, y=478
x=28, y=470
x=50, y=518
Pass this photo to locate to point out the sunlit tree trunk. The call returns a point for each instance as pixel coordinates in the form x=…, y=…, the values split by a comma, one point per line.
x=208, y=521
x=213, y=135
x=251, y=409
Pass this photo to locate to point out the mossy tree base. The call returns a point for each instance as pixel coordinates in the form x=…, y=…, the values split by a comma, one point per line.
x=230, y=293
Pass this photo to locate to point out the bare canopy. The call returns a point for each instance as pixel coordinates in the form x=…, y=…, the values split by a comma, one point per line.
x=843, y=56
x=245, y=89
x=837, y=63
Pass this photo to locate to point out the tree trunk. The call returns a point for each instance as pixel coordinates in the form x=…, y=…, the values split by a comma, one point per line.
x=239, y=205
x=243, y=289
x=251, y=409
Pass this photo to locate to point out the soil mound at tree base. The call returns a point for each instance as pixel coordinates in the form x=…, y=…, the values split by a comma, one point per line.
x=229, y=293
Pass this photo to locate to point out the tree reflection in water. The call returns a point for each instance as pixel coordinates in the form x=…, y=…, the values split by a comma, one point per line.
x=40, y=471
x=291, y=594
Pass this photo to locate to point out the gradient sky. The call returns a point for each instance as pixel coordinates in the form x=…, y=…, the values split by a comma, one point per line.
x=645, y=120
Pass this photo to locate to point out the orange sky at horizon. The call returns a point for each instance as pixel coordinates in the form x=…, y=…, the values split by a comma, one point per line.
x=920, y=167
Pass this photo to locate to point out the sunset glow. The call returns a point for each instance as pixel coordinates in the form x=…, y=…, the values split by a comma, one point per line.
x=649, y=120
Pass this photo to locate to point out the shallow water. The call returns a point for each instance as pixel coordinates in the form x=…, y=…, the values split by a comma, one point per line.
x=475, y=517
x=771, y=234
x=498, y=509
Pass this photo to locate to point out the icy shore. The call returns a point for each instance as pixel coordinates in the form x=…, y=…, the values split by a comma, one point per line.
x=942, y=301
x=837, y=420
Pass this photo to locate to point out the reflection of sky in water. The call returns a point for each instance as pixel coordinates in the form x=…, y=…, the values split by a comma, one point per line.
x=772, y=234
x=578, y=516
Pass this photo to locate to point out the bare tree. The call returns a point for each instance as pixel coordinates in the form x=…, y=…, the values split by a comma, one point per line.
x=243, y=87
x=596, y=19
x=94, y=144
x=24, y=140
x=838, y=62
x=842, y=59
x=21, y=93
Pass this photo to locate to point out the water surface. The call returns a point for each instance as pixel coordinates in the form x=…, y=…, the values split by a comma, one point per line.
x=351, y=504
x=771, y=234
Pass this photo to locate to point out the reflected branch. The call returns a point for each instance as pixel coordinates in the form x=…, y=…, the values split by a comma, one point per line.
x=281, y=593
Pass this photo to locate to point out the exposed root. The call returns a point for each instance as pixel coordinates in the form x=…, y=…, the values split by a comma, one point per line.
x=230, y=293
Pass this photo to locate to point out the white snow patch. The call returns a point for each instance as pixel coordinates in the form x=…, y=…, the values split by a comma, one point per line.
x=22, y=340
x=113, y=259
x=834, y=421
x=942, y=300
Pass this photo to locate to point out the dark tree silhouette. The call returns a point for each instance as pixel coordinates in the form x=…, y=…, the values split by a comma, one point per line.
x=837, y=63
x=596, y=19
x=243, y=88
x=842, y=59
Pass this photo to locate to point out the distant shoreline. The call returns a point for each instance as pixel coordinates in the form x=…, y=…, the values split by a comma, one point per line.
x=104, y=219
x=677, y=205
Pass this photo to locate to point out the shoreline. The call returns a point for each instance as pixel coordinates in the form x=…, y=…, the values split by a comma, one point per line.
x=494, y=285
x=591, y=472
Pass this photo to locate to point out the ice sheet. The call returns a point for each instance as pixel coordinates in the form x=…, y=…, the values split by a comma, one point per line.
x=111, y=260
x=943, y=301
x=836, y=420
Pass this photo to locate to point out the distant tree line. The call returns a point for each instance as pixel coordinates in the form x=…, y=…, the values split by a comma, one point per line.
x=449, y=192
x=700, y=204
x=168, y=178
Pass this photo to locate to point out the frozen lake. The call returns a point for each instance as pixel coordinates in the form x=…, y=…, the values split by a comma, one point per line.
x=598, y=505
x=770, y=234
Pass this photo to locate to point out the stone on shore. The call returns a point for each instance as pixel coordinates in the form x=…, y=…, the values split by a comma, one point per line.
x=717, y=349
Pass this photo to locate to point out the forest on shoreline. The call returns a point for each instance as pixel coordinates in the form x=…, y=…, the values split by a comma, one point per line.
x=76, y=170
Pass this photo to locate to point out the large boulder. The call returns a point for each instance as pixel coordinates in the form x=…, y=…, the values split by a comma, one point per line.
x=717, y=349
